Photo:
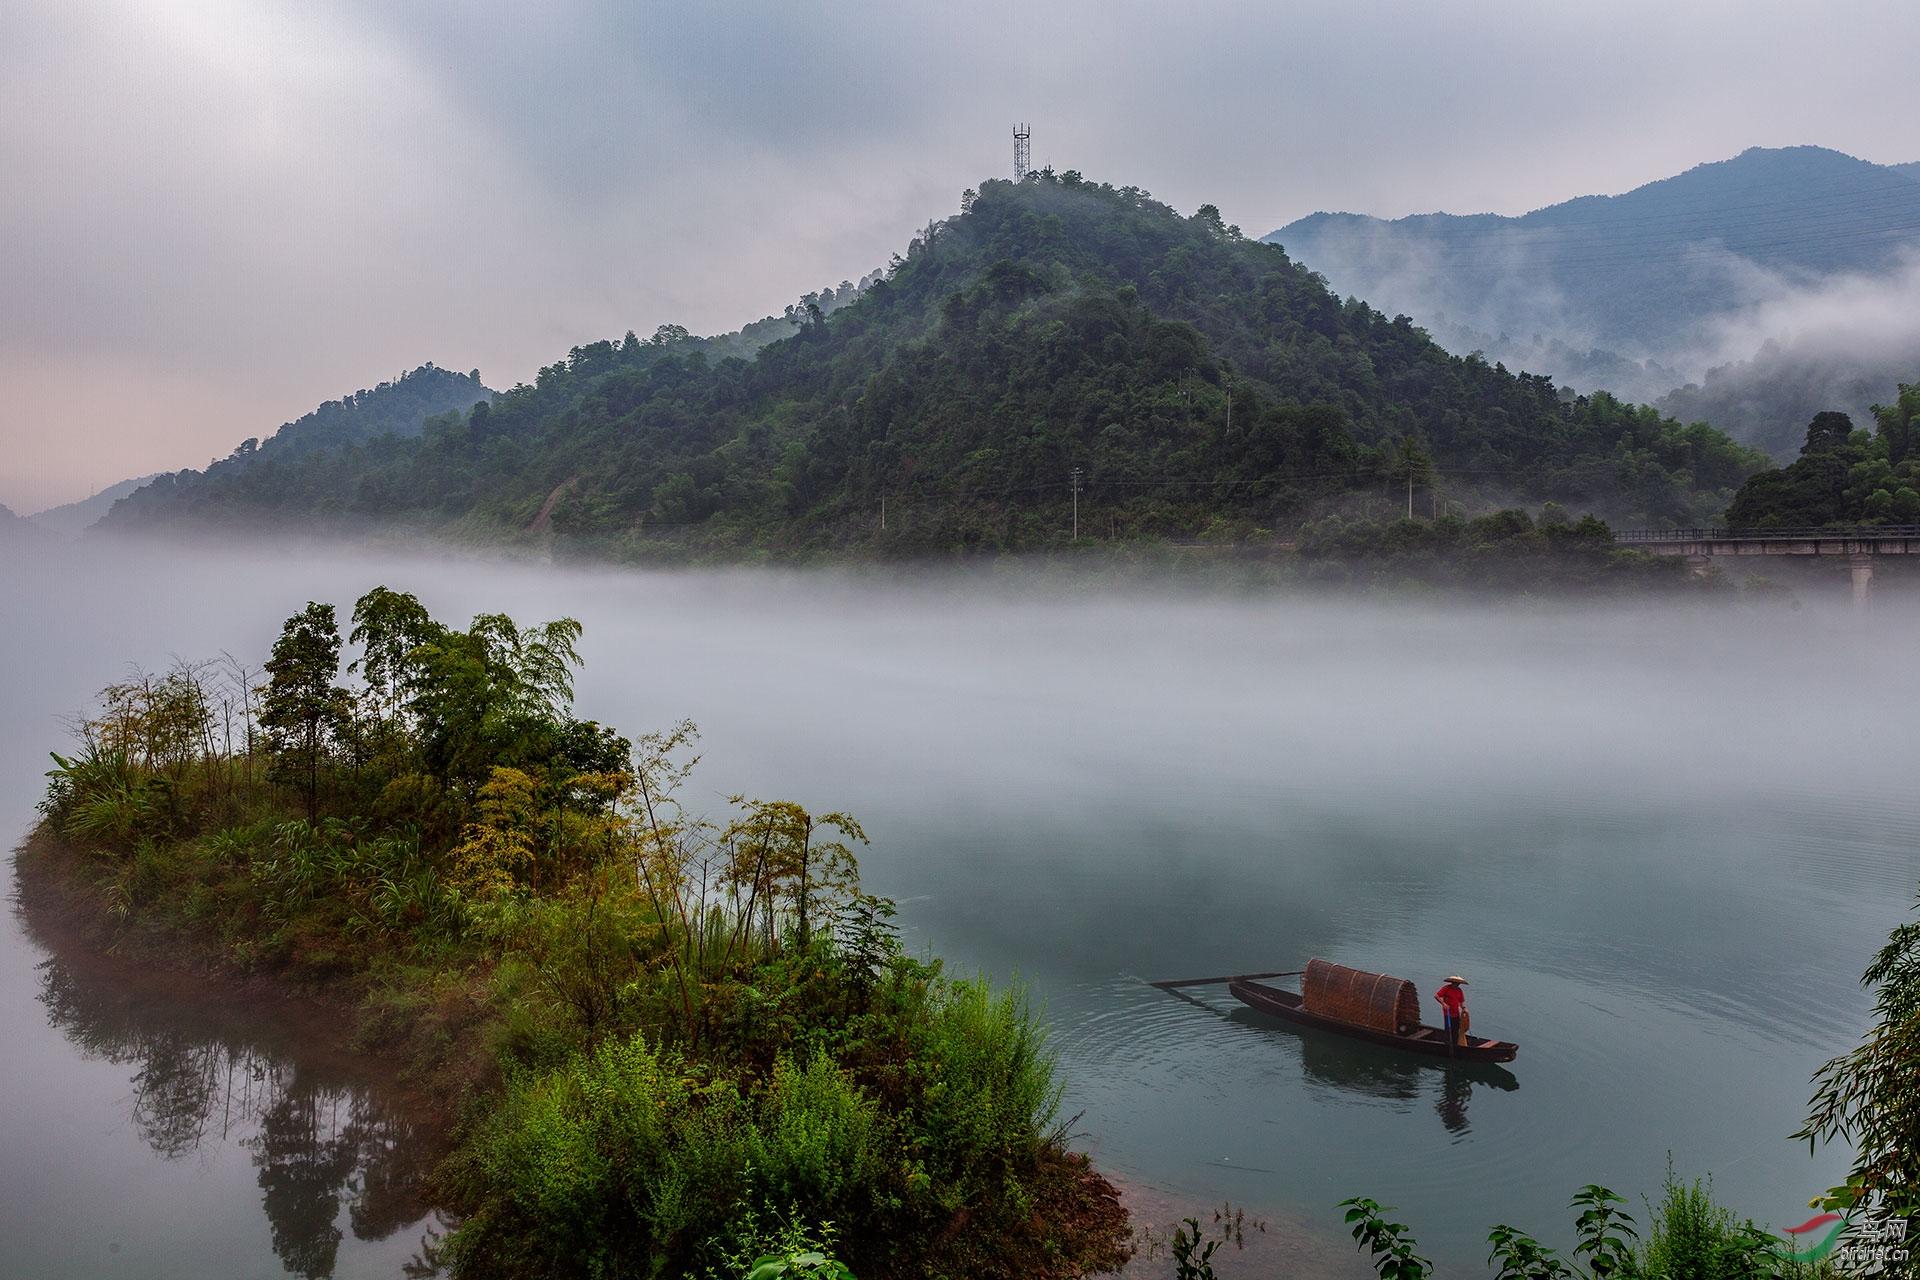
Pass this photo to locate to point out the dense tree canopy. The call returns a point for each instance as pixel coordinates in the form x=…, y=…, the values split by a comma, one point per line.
x=1186, y=371
x=1843, y=476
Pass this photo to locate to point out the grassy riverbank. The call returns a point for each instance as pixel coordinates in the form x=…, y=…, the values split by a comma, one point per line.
x=672, y=1043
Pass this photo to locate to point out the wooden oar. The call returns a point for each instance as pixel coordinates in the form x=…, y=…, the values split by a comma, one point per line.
x=1232, y=977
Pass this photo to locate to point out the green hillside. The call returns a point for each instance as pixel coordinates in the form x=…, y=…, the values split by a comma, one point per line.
x=1189, y=373
x=396, y=409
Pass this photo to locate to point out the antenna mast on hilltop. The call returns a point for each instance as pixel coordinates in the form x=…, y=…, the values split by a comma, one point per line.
x=1022, y=151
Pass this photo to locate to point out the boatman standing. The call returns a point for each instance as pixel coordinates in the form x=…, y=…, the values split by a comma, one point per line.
x=1453, y=1008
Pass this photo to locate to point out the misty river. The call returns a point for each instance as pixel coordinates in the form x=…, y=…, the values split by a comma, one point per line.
x=1661, y=840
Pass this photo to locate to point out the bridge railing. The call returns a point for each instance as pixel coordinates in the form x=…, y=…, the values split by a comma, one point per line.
x=1822, y=533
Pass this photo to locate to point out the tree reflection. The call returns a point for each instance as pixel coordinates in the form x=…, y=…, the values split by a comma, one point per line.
x=201, y=1078
x=306, y=1159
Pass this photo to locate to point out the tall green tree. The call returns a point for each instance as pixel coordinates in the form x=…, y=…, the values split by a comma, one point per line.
x=494, y=694
x=1826, y=433
x=1870, y=1097
x=302, y=706
x=390, y=627
x=1896, y=424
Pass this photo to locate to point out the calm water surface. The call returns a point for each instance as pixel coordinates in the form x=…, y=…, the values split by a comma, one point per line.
x=1662, y=843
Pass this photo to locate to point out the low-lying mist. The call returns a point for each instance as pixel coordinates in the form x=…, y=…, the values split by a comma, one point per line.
x=955, y=687
x=1844, y=343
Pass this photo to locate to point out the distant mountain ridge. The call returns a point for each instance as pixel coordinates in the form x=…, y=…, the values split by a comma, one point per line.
x=1642, y=291
x=18, y=532
x=70, y=519
x=1638, y=270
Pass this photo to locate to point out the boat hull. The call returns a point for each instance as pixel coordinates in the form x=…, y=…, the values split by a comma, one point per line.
x=1431, y=1041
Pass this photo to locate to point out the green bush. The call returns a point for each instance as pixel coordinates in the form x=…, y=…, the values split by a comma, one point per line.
x=990, y=1095
x=628, y=1160
x=820, y=1142
x=1691, y=1237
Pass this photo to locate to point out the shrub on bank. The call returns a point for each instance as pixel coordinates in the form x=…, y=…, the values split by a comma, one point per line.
x=1501, y=550
x=1690, y=1237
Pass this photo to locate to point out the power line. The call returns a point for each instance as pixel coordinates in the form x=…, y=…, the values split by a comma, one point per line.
x=1458, y=226
x=1678, y=251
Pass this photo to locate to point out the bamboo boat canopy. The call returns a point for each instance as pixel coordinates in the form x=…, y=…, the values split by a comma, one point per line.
x=1364, y=999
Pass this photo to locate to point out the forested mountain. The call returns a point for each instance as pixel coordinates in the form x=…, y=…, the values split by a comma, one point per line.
x=73, y=518
x=1645, y=291
x=1188, y=373
x=396, y=409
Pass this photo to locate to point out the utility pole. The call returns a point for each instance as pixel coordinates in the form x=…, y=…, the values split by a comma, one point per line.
x=1076, y=504
x=1229, y=406
x=883, y=513
x=1409, y=489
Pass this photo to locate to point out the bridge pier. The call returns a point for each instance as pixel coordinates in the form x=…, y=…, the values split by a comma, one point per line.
x=1860, y=566
x=1859, y=545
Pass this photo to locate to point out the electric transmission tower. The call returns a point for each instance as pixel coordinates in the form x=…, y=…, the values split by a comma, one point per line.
x=1022, y=151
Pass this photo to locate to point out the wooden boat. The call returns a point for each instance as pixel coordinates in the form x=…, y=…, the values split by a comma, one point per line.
x=1367, y=1006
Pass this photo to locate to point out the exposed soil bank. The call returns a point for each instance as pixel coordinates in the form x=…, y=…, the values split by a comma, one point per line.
x=1253, y=1246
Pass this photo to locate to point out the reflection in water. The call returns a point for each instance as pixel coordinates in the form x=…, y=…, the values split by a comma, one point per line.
x=1452, y=1104
x=1368, y=1070
x=317, y=1140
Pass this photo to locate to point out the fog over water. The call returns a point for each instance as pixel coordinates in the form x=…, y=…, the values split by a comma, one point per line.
x=1662, y=841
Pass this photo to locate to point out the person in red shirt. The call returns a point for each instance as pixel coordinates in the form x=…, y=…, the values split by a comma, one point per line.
x=1453, y=1008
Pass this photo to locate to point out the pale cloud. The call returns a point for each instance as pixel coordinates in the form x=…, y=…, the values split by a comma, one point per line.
x=217, y=214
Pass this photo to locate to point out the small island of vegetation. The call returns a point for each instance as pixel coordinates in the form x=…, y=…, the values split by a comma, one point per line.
x=673, y=1045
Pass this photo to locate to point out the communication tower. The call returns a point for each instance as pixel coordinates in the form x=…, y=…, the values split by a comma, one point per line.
x=1022, y=151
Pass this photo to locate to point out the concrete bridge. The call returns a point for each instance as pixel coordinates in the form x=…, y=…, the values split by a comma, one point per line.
x=1857, y=546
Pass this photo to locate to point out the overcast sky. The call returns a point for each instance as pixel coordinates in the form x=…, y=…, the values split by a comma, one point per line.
x=217, y=214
